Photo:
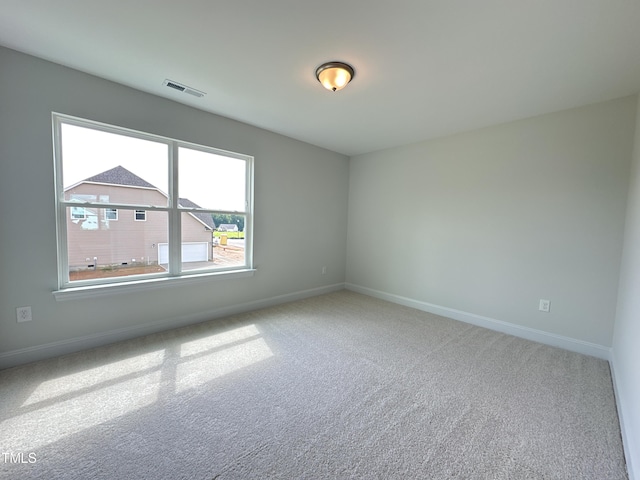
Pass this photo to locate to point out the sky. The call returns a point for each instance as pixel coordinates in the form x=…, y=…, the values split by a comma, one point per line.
x=211, y=181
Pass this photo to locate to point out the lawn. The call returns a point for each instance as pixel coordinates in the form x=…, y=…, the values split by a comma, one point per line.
x=229, y=234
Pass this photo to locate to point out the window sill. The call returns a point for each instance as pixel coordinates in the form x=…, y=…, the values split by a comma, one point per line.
x=92, y=291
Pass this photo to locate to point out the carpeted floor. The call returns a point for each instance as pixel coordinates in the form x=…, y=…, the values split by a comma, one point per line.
x=336, y=386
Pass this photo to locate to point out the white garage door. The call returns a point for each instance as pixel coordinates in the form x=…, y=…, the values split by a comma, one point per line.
x=191, y=252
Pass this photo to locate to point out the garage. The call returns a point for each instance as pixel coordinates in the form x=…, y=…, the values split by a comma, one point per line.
x=191, y=252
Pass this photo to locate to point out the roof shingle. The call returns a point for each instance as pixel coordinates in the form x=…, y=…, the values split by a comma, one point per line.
x=120, y=176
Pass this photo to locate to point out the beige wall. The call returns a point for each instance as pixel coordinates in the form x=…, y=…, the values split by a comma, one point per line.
x=116, y=241
x=194, y=231
x=124, y=240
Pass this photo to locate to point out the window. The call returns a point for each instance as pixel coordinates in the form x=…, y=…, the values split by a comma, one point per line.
x=78, y=213
x=111, y=214
x=170, y=191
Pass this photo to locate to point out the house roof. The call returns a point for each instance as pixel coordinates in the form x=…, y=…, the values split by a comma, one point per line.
x=120, y=176
x=203, y=217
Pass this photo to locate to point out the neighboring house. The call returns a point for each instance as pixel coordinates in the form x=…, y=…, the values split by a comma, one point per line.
x=116, y=236
x=227, y=227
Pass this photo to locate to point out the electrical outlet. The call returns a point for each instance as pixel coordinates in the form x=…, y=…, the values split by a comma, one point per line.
x=545, y=305
x=324, y=270
x=23, y=314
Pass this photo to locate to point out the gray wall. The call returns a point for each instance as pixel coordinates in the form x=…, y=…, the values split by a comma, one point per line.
x=491, y=221
x=300, y=207
x=626, y=339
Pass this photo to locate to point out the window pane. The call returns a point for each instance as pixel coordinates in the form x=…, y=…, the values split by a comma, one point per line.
x=197, y=241
x=229, y=242
x=116, y=213
x=109, y=213
x=105, y=167
x=204, y=248
x=78, y=212
x=99, y=247
x=211, y=181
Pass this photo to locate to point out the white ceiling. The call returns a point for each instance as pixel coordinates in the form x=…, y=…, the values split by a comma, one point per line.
x=424, y=68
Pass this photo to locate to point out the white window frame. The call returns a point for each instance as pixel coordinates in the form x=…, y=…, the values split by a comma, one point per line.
x=144, y=215
x=79, y=289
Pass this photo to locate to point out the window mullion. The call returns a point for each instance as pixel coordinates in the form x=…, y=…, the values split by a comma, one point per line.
x=175, y=240
x=248, y=216
x=118, y=206
x=61, y=209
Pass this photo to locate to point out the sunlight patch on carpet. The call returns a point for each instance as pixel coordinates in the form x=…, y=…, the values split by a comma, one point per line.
x=201, y=370
x=92, y=377
x=218, y=340
x=46, y=425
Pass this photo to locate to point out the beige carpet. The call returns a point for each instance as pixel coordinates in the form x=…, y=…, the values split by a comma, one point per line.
x=336, y=386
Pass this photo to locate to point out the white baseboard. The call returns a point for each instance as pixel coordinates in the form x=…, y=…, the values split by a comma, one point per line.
x=631, y=453
x=63, y=347
x=527, y=333
x=53, y=349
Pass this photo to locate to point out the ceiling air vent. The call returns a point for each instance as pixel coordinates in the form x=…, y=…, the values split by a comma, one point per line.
x=183, y=88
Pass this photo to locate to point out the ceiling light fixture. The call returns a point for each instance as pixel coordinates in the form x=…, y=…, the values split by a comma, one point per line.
x=334, y=75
